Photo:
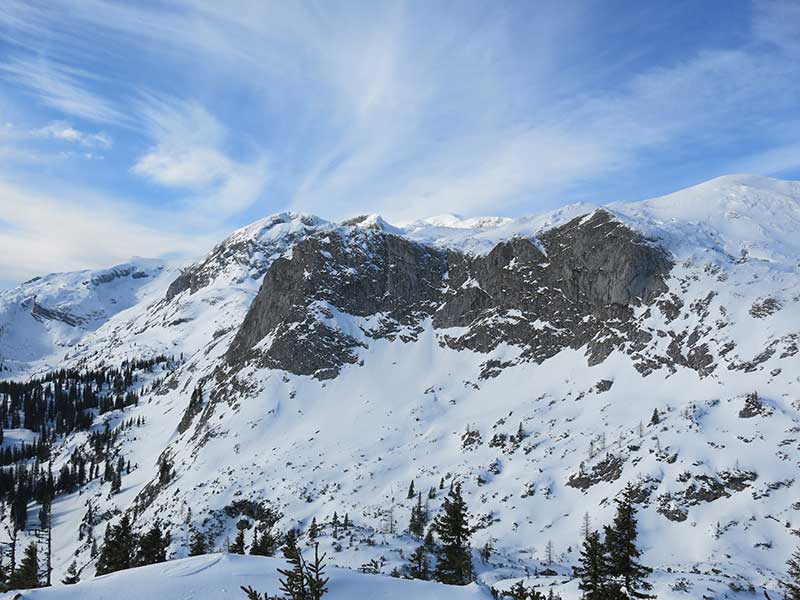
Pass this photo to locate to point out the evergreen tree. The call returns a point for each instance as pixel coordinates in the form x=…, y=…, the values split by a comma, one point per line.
x=418, y=564
x=428, y=542
x=519, y=592
x=419, y=518
x=411, y=491
x=315, y=576
x=454, y=558
x=622, y=555
x=791, y=584
x=264, y=544
x=238, y=545
x=116, y=483
x=591, y=568
x=71, y=577
x=153, y=546
x=197, y=544
x=313, y=529
x=293, y=583
x=119, y=548
x=26, y=575
x=486, y=551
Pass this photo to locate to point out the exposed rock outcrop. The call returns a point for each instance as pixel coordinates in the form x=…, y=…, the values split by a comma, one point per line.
x=574, y=287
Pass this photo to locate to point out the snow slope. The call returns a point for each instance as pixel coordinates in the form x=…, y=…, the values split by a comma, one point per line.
x=216, y=576
x=44, y=318
x=719, y=489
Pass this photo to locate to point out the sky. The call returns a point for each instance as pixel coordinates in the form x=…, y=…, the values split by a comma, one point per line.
x=154, y=129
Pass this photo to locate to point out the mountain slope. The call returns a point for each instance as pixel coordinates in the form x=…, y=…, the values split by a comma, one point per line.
x=544, y=362
x=42, y=319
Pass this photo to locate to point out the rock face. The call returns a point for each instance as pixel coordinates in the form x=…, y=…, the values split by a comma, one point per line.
x=247, y=251
x=543, y=295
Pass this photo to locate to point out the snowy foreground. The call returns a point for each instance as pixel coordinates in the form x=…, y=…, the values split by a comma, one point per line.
x=220, y=576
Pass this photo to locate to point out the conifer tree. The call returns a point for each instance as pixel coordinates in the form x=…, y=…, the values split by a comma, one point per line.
x=26, y=575
x=116, y=483
x=419, y=518
x=591, y=568
x=315, y=576
x=418, y=564
x=519, y=592
x=119, y=548
x=454, y=557
x=238, y=545
x=71, y=577
x=411, y=491
x=264, y=544
x=293, y=583
x=153, y=546
x=429, y=543
x=791, y=584
x=197, y=543
x=313, y=529
x=622, y=555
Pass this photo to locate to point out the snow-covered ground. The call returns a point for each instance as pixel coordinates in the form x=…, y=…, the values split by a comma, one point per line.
x=216, y=576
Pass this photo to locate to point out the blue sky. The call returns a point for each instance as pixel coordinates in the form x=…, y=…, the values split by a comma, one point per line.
x=153, y=129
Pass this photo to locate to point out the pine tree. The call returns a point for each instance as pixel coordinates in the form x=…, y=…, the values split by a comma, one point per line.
x=791, y=584
x=293, y=583
x=313, y=529
x=71, y=577
x=591, y=568
x=428, y=542
x=519, y=592
x=411, y=491
x=197, y=544
x=419, y=518
x=119, y=548
x=418, y=564
x=264, y=544
x=238, y=545
x=26, y=575
x=315, y=576
x=486, y=551
x=621, y=552
x=153, y=546
x=586, y=526
x=116, y=483
x=454, y=559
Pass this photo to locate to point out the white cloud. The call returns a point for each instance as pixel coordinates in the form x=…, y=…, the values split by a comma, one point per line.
x=188, y=155
x=46, y=230
x=61, y=86
x=63, y=131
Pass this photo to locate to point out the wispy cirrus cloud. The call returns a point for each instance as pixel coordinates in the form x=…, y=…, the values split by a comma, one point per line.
x=62, y=87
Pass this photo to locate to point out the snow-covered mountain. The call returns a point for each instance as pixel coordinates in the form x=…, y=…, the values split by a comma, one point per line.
x=544, y=362
x=44, y=318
